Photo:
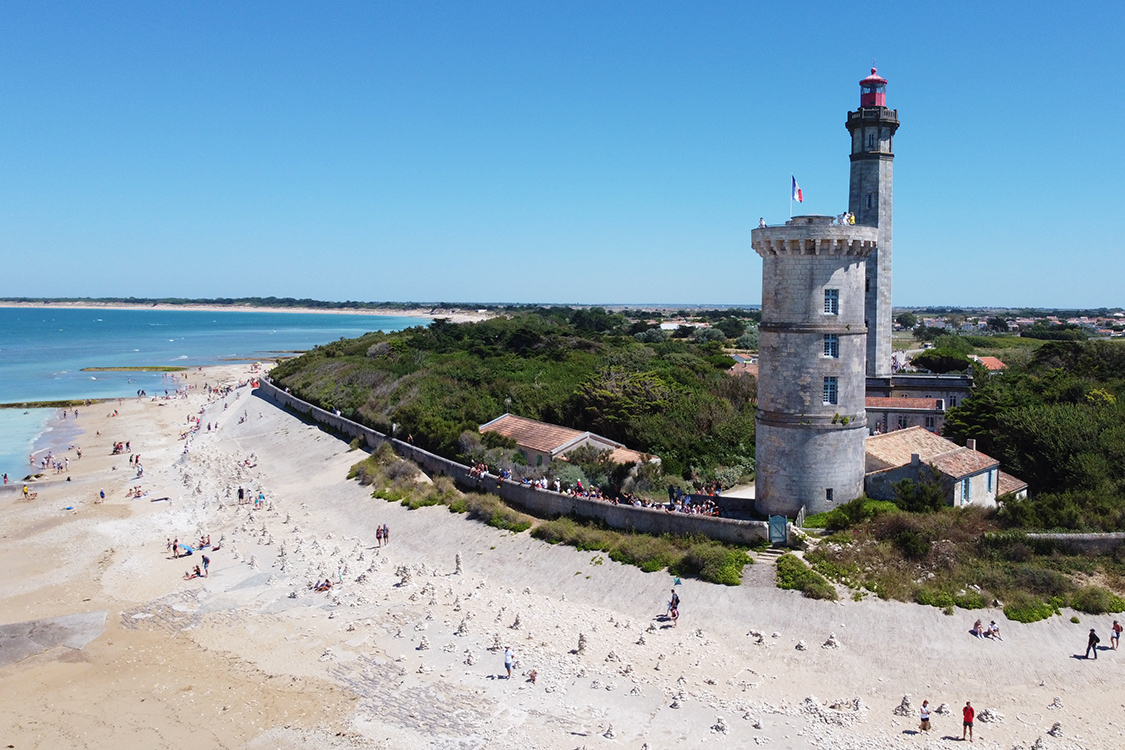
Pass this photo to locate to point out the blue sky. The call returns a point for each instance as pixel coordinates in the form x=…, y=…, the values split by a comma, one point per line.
x=534, y=152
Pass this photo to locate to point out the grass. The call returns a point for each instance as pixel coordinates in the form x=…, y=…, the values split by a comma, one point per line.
x=399, y=481
x=959, y=558
x=685, y=556
x=792, y=573
x=139, y=368
x=849, y=514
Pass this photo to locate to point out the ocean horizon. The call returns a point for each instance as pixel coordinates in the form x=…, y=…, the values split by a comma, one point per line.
x=44, y=353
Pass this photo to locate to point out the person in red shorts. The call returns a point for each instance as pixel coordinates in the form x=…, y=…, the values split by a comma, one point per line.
x=968, y=713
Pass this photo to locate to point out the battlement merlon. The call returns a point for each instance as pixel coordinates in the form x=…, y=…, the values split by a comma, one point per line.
x=868, y=115
x=815, y=235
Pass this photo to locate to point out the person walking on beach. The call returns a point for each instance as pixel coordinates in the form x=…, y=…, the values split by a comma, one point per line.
x=1092, y=644
x=1114, y=632
x=968, y=713
x=206, y=564
x=379, y=535
x=508, y=657
x=674, y=602
x=386, y=534
x=925, y=726
x=176, y=548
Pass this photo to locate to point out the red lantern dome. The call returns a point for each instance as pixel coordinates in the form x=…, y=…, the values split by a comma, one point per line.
x=873, y=91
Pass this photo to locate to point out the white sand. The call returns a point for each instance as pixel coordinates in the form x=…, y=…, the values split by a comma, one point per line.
x=236, y=660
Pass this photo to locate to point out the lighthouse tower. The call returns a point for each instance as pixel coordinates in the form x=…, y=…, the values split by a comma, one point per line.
x=811, y=421
x=872, y=128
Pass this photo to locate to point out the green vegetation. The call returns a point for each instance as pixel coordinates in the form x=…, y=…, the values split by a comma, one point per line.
x=1058, y=423
x=850, y=514
x=792, y=573
x=398, y=480
x=139, y=368
x=684, y=556
x=964, y=558
x=582, y=368
x=64, y=404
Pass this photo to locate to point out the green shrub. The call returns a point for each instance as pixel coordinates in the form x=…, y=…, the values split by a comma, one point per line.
x=683, y=556
x=713, y=562
x=934, y=597
x=1095, y=600
x=969, y=600
x=1075, y=620
x=1023, y=607
x=792, y=573
x=460, y=505
x=851, y=514
x=649, y=553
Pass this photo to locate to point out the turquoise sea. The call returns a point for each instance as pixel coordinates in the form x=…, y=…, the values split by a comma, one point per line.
x=43, y=353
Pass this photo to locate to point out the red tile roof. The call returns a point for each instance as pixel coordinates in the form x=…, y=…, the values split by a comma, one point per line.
x=1009, y=483
x=893, y=449
x=890, y=402
x=962, y=462
x=992, y=364
x=531, y=433
x=745, y=368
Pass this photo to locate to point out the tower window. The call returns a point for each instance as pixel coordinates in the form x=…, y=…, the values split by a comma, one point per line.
x=831, y=345
x=828, y=494
x=871, y=200
x=870, y=141
x=831, y=301
x=831, y=390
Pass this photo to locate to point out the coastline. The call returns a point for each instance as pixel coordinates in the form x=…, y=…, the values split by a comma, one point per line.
x=455, y=315
x=405, y=645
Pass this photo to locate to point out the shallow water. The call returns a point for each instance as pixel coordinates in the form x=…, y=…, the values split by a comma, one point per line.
x=43, y=353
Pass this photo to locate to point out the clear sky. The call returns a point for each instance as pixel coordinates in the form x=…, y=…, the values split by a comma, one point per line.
x=549, y=152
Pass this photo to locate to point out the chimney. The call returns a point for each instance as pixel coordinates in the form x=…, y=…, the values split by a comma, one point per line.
x=971, y=444
x=915, y=459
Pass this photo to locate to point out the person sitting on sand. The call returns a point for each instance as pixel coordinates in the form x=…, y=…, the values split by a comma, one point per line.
x=994, y=631
x=978, y=629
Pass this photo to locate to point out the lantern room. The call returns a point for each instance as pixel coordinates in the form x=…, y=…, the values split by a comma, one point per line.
x=873, y=91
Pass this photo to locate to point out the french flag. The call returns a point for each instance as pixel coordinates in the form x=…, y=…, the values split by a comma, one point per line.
x=797, y=191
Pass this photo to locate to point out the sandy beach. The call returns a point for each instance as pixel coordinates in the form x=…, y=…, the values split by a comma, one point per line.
x=103, y=643
x=454, y=315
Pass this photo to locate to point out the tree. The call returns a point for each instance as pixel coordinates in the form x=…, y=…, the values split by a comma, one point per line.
x=703, y=335
x=997, y=324
x=941, y=361
x=748, y=340
x=906, y=319
x=732, y=328
x=924, y=496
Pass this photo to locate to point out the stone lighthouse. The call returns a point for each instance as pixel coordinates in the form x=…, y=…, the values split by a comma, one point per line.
x=811, y=421
x=873, y=127
x=826, y=326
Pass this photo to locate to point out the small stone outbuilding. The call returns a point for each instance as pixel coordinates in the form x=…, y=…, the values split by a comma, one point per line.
x=968, y=476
